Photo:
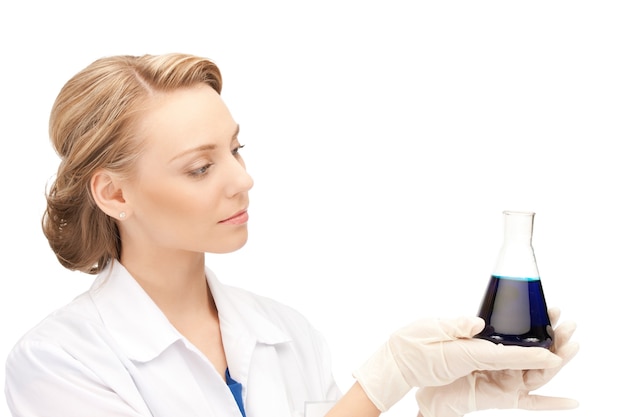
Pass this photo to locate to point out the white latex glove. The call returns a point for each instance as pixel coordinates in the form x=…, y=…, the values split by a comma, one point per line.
x=435, y=352
x=504, y=389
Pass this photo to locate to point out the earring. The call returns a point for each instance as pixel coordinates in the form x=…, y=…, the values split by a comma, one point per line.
x=122, y=215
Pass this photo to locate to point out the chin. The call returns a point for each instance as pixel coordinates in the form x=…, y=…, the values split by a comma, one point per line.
x=229, y=245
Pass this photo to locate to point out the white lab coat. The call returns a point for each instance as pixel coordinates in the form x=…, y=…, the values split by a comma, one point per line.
x=112, y=352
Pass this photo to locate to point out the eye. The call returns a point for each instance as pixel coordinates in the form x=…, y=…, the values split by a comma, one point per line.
x=236, y=150
x=200, y=171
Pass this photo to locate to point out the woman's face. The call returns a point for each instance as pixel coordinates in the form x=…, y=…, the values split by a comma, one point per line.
x=191, y=188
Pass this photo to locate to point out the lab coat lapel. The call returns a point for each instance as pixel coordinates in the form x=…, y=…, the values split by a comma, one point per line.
x=187, y=393
x=250, y=341
x=256, y=365
x=267, y=393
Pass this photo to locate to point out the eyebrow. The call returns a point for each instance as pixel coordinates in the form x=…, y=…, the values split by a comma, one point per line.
x=202, y=148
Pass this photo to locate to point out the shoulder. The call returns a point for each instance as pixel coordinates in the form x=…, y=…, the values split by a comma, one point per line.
x=68, y=320
x=73, y=331
x=69, y=354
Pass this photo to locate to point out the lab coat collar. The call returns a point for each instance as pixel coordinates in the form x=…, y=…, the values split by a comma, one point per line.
x=238, y=310
x=244, y=326
x=136, y=323
x=143, y=332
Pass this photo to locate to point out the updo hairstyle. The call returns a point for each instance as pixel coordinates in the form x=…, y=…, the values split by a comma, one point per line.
x=92, y=127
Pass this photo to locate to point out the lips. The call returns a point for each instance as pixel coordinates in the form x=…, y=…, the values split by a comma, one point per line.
x=240, y=217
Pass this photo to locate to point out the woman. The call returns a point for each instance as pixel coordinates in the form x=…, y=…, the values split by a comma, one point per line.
x=151, y=178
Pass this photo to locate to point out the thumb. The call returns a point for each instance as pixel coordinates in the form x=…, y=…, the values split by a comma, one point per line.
x=427, y=331
x=467, y=327
x=459, y=328
x=540, y=402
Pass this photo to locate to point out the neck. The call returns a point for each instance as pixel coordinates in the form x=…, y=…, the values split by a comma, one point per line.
x=176, y=283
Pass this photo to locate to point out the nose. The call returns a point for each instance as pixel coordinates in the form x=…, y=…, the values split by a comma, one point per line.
x=239, y=181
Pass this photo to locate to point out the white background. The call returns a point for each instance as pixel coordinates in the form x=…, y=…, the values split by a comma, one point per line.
x=385, y=139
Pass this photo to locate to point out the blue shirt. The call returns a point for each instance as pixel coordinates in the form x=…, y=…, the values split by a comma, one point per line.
x=235, y=388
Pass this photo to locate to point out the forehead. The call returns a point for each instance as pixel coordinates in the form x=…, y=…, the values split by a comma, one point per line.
x=185, y=118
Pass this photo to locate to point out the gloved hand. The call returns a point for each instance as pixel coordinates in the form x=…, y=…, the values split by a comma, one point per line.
x=503, y=389
x=436, y=352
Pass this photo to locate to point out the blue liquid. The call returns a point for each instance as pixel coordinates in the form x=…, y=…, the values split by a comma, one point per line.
x=515, y=313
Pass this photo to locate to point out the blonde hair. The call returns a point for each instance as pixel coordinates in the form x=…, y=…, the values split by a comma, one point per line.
x=92, y=127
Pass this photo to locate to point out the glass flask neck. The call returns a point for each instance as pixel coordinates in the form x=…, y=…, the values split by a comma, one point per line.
x=518, y=226
x=517, y=257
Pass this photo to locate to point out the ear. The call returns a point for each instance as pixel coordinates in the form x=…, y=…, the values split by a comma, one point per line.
x=107, y=193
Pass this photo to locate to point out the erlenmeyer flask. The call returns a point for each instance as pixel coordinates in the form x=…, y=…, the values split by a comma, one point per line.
x=514, y=307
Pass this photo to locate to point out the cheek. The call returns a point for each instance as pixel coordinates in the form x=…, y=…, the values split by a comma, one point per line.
x=175, y=202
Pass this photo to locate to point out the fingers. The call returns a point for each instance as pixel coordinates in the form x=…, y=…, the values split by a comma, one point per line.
x=536, y=378
x=563, y=333
x=554, y=313
x=490, y=356
x=437, y=352
x=568, y=351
